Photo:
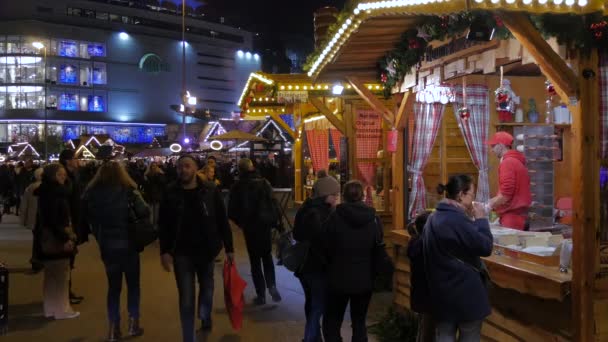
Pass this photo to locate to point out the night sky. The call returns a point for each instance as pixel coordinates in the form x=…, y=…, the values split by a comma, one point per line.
x=287, y=17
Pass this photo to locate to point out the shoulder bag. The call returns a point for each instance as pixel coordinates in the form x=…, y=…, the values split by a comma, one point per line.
x=381, y=261
x=141, y=229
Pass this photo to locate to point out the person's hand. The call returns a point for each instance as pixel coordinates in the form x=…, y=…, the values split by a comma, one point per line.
x=479, y=210
x=166, y=261
x=230, y=257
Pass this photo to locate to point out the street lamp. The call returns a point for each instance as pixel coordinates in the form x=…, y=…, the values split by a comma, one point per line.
x=39, y=45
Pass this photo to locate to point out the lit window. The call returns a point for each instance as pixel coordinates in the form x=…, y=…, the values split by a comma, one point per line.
x=68, y=48
x=68, y=74
x=68, y=102
x=96, y=103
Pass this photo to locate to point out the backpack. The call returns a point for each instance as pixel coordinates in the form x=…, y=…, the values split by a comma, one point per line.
x=267, y=209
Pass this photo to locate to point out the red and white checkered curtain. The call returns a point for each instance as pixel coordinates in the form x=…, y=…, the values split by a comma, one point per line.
x=475, y=132
x=603, y=69
x=335, y=138
x=427, y=119
x=318, y=146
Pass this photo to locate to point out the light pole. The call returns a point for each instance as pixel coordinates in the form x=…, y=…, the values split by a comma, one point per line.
x=185, y=94
x=39, y=45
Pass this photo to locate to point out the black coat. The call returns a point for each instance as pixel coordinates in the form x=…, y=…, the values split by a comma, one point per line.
x=458, y=292
x=243, y=202
x=154, y=187
x=76, y=188
x=214, y=231
x=351, y=235
x=420, y=297
x=309, y=227
x=53, y=215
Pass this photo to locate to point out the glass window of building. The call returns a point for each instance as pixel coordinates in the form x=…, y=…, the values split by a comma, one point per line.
x=84, y=101
x=115, y=18
x=88, y=13
x=52, y=98
x=23, y=97
x=99, y=73
x=96, y=103
x=68, y=73
x=2, y=98
x=86, y=76
x=3, y=75
x=74, y=11
x=126, y=20
x=69, y=102
x=2, y=44
x=92, y=49
x=23, y=69
x=68, y=48
x=101, y=15
x=13, y=44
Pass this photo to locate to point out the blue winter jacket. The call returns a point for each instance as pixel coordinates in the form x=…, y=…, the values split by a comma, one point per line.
x=453, y=245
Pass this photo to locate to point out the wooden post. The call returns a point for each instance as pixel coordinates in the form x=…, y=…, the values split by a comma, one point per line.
x=350, y=134
x=328, y=114
x=297, y=155
x=553, y=66
x=372, y=100
x=586, y=199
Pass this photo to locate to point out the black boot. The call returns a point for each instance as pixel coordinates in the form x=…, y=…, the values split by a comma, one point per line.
x=259, y=300
x=134, y=328
x=114, y=334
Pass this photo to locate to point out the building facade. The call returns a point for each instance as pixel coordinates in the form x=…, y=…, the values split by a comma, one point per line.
x=90, y=67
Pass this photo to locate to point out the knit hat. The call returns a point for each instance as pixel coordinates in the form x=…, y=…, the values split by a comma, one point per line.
x=325, y=186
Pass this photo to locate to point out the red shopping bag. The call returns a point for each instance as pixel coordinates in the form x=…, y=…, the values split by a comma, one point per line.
x=234, y=287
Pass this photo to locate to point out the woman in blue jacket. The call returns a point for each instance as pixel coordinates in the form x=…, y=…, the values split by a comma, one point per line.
x=454, y=239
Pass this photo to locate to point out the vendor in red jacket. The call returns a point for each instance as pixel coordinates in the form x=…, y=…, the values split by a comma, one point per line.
x=514, y=198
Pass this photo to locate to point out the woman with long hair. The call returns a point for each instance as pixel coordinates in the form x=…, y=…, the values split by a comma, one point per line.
x=352, y=233
x=155, y=182
x=57, y=241
x=107, y=204
x=455, y=236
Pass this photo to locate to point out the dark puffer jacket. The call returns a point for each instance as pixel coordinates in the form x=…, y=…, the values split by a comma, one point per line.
x=105, y=209
x=351, y=234
x=308, y=227
x=53, y=215
x=458, y=292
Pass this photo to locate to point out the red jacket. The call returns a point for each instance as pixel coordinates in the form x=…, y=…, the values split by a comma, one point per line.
x=514, y=184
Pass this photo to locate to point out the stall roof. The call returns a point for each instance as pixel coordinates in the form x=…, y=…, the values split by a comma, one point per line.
x=373, y=28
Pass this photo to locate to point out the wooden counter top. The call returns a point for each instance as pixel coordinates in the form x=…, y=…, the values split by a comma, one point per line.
x=522, y=276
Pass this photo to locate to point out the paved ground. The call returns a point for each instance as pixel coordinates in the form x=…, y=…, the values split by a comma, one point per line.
x=283, y=322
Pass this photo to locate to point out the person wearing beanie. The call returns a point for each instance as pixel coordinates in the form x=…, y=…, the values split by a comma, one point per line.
x=514, y=197
x=253, y=208
x=308, y=229
x=75, y=189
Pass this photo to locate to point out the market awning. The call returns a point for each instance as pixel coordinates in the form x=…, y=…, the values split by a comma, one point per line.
x=374, y=27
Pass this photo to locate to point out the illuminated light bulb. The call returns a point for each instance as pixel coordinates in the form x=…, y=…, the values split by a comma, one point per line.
x=240, y=53
x=527, y=2
x=319, y=87
x=297, y=87
x=570, y=2
x=558, y=2
x=282, y=87
x=542, y=2
x=510, y=1
x=266, y=99
x=377, y=87
x=248, y=55
x=305, y=88
x=357, y=11
x=582, y=3
x=369, y=87
x=478, y=1
x=495, y=1
x=289, y=87
x=326, y=87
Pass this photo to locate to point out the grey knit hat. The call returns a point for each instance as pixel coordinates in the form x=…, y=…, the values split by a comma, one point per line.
x=325, y=186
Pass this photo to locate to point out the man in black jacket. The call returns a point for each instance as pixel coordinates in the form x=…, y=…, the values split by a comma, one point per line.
x=75, y=186
x=252, y=208
x=193, y=228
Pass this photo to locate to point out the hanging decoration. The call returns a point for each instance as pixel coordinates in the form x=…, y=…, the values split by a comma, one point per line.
x=506, y=100
x=464, y=111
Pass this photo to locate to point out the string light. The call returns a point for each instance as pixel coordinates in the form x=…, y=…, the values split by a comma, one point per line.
x=249, y=80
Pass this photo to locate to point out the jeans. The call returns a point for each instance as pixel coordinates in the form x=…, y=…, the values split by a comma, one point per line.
x=259, y=249
x=334, y=315
x=118, y=263
x=315, y=289
x=468, y=331
x=186, y=268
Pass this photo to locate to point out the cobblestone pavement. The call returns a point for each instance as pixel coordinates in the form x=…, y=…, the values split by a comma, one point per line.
x=282, y=322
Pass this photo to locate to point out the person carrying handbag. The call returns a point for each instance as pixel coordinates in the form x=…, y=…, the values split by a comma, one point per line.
x=308, y=230
x=109, y=201
x=57, y=241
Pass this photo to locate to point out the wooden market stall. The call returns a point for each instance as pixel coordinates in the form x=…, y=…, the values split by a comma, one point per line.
x=323, y=115
x=444, y=84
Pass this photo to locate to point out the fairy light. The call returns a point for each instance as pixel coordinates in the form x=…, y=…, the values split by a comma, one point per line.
x=253, y=76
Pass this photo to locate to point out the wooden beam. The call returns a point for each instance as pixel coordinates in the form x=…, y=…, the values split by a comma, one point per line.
x=553, y=66
x=586, y=200
x=405, y=108
x=297, y=155
x=328, y=114
x=372, y=100
x=277, y=118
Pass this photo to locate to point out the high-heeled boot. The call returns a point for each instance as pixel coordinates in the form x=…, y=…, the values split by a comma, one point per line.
x=134, y=328
x=114, y=334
